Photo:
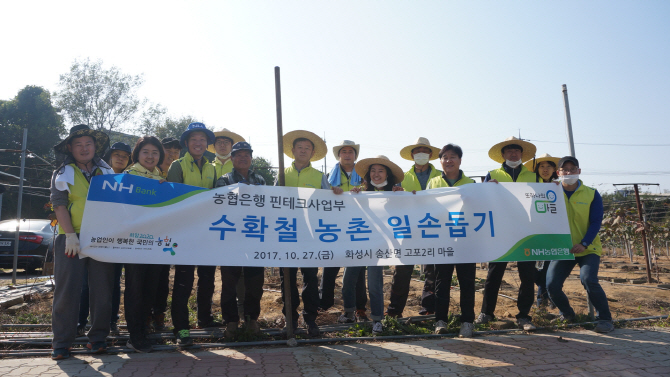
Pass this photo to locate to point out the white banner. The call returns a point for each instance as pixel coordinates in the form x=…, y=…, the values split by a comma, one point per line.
x=137, y=220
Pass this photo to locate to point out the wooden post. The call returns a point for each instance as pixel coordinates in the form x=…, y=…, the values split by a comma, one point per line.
x=644, y=233
x=288, y=308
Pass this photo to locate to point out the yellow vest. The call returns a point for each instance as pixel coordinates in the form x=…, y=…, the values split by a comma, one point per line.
x=192, y=174
x=345, y=182
x=307, y=177
x=525, y=175
x=578, y=207
x=441, y=182
x=222, y=169
x=77, y=198
x=140, y=170
x=411, y=182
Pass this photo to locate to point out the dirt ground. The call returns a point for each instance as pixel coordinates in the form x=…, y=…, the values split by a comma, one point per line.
x=626, y=300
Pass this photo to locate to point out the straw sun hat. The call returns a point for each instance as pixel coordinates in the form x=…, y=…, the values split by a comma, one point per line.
x=345, y=143
x=320, y=148
x=225, y=133
x=406, y=152
x=363, y=165
x=545, y=157
x=528, y=149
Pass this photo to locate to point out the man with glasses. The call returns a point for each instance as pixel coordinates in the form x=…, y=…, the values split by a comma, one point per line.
x=585, y=215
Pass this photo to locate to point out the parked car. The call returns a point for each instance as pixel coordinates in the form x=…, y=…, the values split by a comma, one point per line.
x=35, y=243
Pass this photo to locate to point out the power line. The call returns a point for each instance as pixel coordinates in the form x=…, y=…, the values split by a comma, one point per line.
x=606, y=144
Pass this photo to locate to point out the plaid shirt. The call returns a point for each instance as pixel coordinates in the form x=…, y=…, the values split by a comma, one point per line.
x=235, y=177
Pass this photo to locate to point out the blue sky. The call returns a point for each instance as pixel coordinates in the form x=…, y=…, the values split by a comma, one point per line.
x=382, y=73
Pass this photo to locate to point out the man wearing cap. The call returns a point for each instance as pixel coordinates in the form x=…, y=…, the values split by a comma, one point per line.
x=172, y=150
x=241, y=156
x=585, y=215
x=303, y=147
x=511, y=153
x=222, y=147
x=192, y=169
x=416, y=179
x=345, y=177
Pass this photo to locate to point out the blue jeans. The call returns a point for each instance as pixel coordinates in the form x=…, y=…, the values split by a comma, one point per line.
x=375, y=288
x=541, y=282
x=588, y=274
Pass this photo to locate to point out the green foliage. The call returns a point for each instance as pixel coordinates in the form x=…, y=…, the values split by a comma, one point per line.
x=173, y=127
x=105, y=99
x=262, y=166
x=32, y=108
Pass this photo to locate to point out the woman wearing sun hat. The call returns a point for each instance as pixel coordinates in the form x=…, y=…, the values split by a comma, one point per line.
x=380, y=175
x=544, y=168
x=416, y=179
x=303, y=147
x=511, y=153
x=69, y=188
x=222, y=147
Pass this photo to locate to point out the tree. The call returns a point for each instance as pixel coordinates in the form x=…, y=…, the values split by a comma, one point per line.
x=105, y=99
x=152, y=118
x=32, y=109
x=262, y=166
x=172, y=127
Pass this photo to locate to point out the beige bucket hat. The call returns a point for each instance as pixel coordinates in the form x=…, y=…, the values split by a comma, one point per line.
x=320, y=148
x=346, y=143
x=406, y=152
x=545, y=157
x=225, y=133
x=528, y=153
x=363, y=165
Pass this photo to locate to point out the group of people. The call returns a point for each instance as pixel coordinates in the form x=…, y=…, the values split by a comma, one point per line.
x=84, y=285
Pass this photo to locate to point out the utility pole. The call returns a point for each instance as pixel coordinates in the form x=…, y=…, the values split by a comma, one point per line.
x=568, y=120
x=642, y=221
x=18, y=208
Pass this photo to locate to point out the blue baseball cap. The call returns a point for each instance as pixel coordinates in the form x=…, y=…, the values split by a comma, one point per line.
x=193, y=127
x=241, y=146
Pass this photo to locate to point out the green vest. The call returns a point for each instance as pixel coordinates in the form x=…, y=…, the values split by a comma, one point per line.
x=579, y=208
x=441, y=182
x=222, y=169
x=192, y=174
x=76, y=199
x=524, y=176
x=307, y=177
x=411, y=182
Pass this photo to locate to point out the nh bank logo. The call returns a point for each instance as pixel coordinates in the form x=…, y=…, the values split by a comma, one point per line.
x=120, y=187
x=543, y=202
x=547, y=252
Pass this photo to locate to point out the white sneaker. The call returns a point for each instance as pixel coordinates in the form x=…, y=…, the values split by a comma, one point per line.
x=440, y=327
x=347, y=317
x=483, y=319
x=466, y=330
x=526, y=324
x=377, y=328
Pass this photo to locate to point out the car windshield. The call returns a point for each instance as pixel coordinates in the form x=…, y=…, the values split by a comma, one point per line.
x=26, y=225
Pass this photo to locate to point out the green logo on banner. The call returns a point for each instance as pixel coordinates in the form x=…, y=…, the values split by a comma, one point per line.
x=540, y=247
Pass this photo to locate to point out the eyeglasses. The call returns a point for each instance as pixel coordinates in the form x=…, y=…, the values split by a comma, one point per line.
x=571, y=171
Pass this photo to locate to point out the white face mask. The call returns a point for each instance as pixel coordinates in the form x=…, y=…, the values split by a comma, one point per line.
x=421, y=158
x=223, y=157
x=380, y=185
x=513, y=164
x=570, y=179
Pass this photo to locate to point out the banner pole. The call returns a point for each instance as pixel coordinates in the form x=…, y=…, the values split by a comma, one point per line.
x=288, y=308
